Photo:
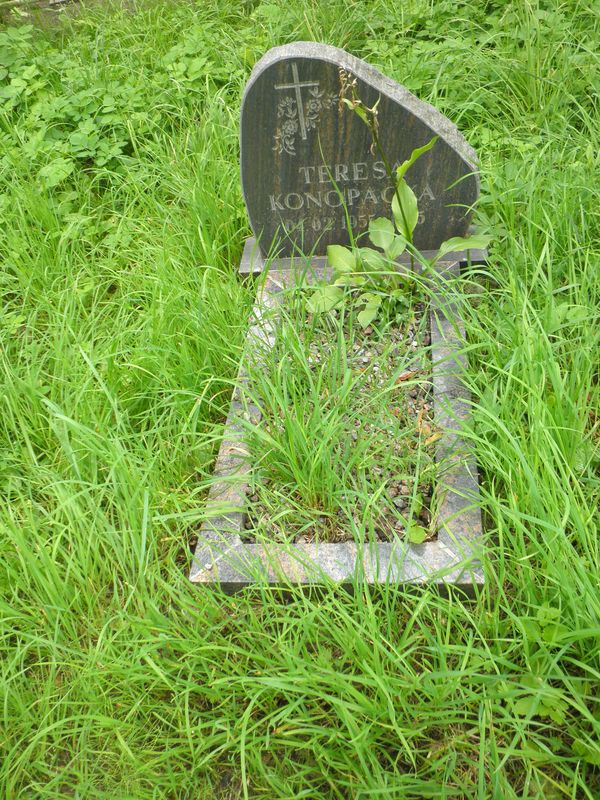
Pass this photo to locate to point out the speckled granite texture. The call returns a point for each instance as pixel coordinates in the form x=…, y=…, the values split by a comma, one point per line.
x=454, y=558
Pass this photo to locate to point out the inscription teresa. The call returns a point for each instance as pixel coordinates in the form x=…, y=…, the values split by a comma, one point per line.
x=305, y=156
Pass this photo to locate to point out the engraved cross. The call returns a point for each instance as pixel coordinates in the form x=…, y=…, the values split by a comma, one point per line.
x=297, y=85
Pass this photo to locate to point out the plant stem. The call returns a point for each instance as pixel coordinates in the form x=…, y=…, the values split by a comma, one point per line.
x=390, y=173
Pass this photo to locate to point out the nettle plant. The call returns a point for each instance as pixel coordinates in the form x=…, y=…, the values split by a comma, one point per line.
x=368, y=275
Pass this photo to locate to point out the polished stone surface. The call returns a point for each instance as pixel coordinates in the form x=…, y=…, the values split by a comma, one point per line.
x=298, y=143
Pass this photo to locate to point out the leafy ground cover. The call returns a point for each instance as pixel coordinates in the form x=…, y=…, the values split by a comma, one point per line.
x=120, y=331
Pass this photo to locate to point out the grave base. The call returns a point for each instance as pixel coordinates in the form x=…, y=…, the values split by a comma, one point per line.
x=453, y=559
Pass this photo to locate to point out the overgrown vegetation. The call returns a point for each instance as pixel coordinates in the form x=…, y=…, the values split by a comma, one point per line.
x=369, y=274
x=339, y=424
x=120, y=331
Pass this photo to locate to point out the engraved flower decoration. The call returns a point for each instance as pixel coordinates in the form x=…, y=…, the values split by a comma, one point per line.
x=289, y=127
x=287, y=112
x=286, y=107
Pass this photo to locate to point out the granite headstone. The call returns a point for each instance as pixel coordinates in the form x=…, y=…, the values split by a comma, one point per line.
x=298, y=143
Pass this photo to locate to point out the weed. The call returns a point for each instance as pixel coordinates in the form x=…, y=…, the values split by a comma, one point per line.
x=382, y=289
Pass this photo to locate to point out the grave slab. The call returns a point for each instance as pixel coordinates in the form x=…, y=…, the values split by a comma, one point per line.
x=298, y=144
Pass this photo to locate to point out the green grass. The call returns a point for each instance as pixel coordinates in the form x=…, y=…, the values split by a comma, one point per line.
x=121, y=328
x=338, y=430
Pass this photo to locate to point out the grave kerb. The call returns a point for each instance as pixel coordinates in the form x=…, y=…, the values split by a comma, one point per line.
x=453, y=559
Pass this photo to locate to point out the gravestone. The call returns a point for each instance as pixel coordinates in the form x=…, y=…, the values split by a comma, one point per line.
x=305, y=155
x=297, y=145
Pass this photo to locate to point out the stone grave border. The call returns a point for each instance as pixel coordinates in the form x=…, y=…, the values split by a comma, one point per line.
x=454, y=558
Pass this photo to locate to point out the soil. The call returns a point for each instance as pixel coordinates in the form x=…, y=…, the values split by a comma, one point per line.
x=397, y=360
